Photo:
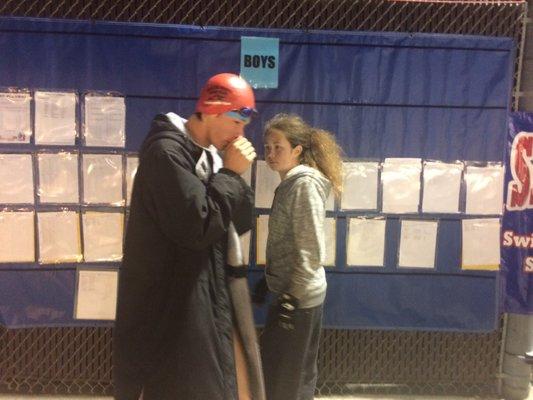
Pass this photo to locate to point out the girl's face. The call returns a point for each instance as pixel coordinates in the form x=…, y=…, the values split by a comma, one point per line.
x=279, y=154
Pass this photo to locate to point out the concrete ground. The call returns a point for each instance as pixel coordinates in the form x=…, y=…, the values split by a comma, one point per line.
x=351, y=397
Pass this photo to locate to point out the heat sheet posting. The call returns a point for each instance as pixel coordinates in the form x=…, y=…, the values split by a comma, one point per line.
x=18, y=236
x=418, y=244
x=102, y=179
x=105, y=119
x=401, y=185
x=102, y=236
x=484, y=189
x=15, y=125
x=266, y=182
x=132, y=163
x=360, y=186
x=442, y=187
x=55, y=118
x=59, y=237
x=366, y=242
x=16, y=179
x=481, y=244
x=261, y=239
x=58, y=178
x=96, y=295
x=330, y=238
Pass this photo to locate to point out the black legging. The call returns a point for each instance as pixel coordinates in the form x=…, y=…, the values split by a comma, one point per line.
x=290, y=356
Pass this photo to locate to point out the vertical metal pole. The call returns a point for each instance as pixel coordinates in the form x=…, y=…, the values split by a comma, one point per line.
x=517, y=93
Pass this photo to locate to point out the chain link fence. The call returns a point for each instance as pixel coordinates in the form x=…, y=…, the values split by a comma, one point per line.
x=78, y=360
x=403, y=362
x=473, y=17
x=56, y=361
x=481, y=17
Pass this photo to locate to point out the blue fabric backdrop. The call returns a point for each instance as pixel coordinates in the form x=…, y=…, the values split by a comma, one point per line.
x=383, y=94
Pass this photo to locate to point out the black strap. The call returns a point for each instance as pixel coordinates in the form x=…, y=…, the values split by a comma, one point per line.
x=236, y=272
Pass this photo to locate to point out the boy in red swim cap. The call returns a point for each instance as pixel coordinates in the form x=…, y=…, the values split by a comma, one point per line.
x=174, y=332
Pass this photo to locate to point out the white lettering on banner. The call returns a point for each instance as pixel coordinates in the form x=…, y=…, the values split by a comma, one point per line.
x=511, y=239
x=528, y=264
x=519, y=190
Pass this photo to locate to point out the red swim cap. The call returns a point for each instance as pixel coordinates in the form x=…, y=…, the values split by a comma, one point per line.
x=225, y=92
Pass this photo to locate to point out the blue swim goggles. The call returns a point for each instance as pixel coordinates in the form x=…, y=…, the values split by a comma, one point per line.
x=244, y=114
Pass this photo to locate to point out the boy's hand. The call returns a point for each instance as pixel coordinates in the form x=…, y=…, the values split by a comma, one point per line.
x=239, y=155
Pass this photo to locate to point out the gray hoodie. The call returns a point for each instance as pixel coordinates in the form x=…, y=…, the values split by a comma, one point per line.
x=295, y=247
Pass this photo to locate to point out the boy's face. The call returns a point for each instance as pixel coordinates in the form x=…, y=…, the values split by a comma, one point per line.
x=222, y=130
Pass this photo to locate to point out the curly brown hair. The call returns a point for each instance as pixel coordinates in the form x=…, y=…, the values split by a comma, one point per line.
x=319, y=148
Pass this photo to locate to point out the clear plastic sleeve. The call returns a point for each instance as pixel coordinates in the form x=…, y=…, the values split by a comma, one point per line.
x=17, y=230
x=96, y=294
x=59, y=237
x=481, y=244
x=16, y=179
x=401, y=185
x=442, y=187
x=266, y=182
x=58, y=178
x=15, y=117
x=484, y=189
x=365, y=245
x=261, y=236
x=360, y=189
x=102, y=236
x=132, y=163
x=104, y=120
x=55, y=118
x=330, y=238
x=102, y=179
x=418, y=243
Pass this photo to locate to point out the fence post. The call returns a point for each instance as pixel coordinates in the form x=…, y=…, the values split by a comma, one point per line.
x=518, y=341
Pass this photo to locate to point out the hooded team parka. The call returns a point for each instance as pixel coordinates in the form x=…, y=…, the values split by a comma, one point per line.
x=173, y=331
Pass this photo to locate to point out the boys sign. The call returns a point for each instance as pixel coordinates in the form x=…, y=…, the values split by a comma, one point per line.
x=259, y=61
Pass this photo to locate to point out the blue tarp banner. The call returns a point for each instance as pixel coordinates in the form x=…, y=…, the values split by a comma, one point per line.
x=433, y=97
x=517, y=225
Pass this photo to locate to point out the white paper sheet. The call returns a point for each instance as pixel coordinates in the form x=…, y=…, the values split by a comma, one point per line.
x=330, y=201
x=96, y=296
x=105, y=119
x=261, y=236
x=132, y=163
x=17, y=233
x=481, y=244
x=245, y=246
x=442, y=186
x=102, y=179
x=360, y=186
x=366, y=242
x=418, y=244
x=266, y=182
x=15, y=126
x=247, y=176
x=58, y=178
x=401, y=185
x=55, y=118
x=59, y=237
x=330, y=237
x=102, y=236
x=16, y=179
x=484, y=189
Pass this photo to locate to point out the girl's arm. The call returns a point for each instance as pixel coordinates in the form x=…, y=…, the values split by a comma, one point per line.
x=307, y=221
